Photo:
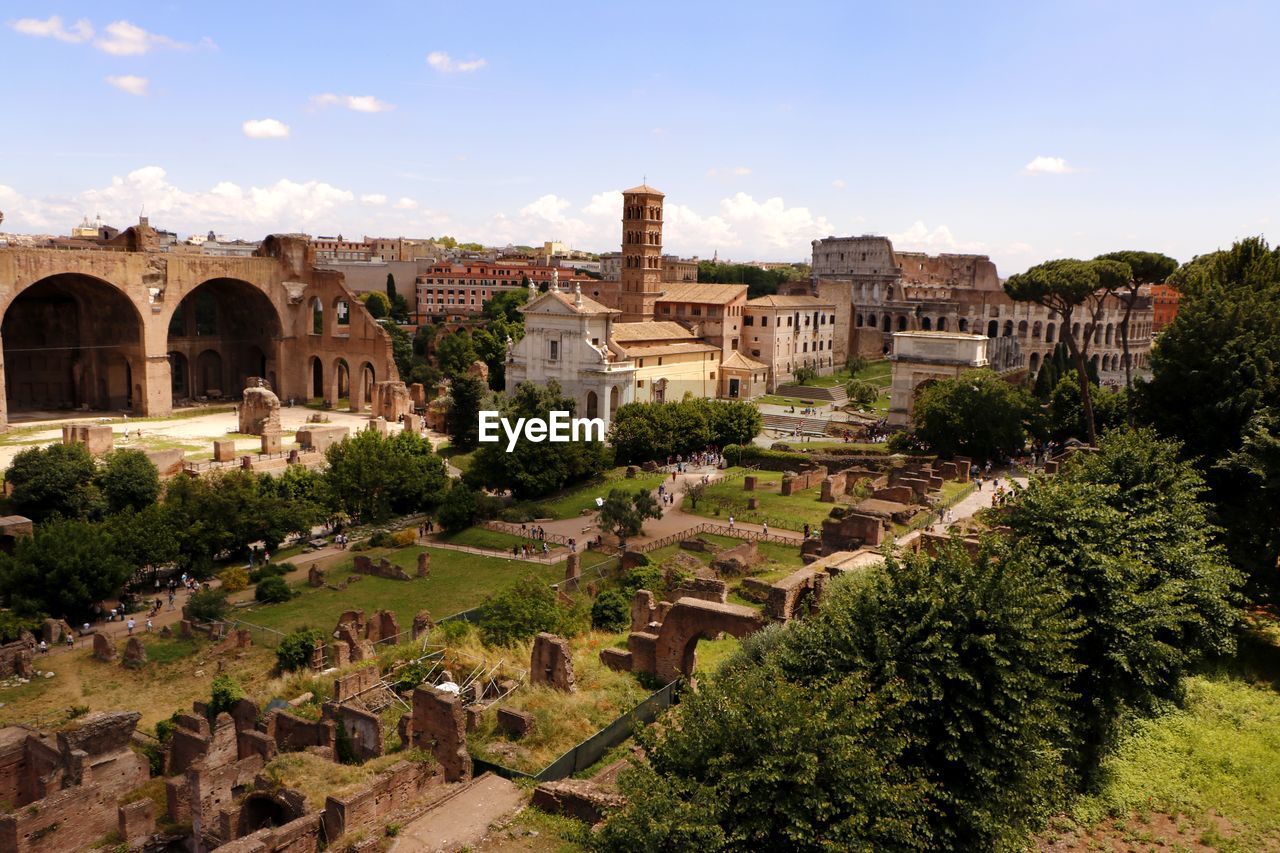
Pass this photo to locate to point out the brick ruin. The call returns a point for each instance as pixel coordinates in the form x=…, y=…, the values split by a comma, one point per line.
x=64, y=791
x=439, y=725
x=551, y=663
x=670, y=652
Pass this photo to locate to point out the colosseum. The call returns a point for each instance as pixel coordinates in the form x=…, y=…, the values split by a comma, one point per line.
x=126, y=327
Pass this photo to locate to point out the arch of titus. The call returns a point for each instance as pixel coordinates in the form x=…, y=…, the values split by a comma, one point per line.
x=127, y=327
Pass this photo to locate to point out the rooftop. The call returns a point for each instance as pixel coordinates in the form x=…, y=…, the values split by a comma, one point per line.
x=650, y=330
x=776, y=301
x=706, y=294
x=644, y=188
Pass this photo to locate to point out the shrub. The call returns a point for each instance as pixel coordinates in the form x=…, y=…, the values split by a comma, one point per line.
x=408, y=536
x=273, y=590
x=270, y=570
x=861, y=392
x=732, y=454
x=611, y=611
x=643, y=576
x=225, y=694
x=234, y=579
x=803, y=375
x=207, y=605
x=901, y=442
x=382, y=539
x=520, y=611
x=294, y=651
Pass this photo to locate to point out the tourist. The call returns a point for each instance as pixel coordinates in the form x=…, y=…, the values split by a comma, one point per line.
x=71, y=641
x=44, y=647
x=130, y=625
x=765, y=525
x=149, y=626
x=806, y=531
x=731, y=522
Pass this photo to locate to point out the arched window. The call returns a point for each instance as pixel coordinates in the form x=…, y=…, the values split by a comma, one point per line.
x=942, y=324
x=887, y=321
x=1022, y=329
x=857, y=320
x=1048, y=333
x=1035, y=331
x=963, y=324
x=593, y=405
x=317, y=317
x=902, y=323
x=993, y=329
x=1034, y=363
x=926, y=324
x=1008, y=328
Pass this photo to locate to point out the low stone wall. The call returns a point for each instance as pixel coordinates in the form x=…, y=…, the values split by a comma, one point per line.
x=296, y=836
x=388, y=793
x=363, y=728
x=802, y=480
x=292, y=733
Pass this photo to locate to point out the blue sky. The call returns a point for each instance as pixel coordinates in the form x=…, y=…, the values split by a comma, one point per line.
x=1022, y=130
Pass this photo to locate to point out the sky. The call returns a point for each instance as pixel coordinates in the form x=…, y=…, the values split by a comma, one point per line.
x=1025, y=131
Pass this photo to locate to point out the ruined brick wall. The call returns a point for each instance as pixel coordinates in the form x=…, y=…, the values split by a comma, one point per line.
x=355, y=683
x=296, y=836
x=802, y=480
x=292, y=733
x=72, y=819
x=440, y=725
x=30, y=767
x=363, y=728
x=209, y=790
x=389, y=792
x=15, y=659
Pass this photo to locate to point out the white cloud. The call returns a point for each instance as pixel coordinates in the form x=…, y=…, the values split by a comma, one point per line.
x=772, y=223
x=739, y=171
x=358, y=103
x=51, y=27
x=405, y=203
x=605, y=204
x=373, y=198
x=129, y=83
x=119, y=38
x=838, y=183
x=127, y=39
x=1047, y=166
x=265, y=128
x=920, y=238
x=446, y=64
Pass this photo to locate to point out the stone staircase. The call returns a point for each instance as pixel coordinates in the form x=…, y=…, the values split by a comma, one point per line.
x=835, y=395
x=788, y=423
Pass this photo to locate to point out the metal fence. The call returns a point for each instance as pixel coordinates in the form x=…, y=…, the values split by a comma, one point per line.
x=592, y=749
x=514, y=530
x=720, y=530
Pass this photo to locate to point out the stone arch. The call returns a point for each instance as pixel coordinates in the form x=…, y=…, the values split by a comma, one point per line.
x=339, y=381
x=1048, y=333
x=1008, y=328
x=341, y=316
x=615, y=399
x=261, y=810
x=362, y=387
x=993, y=329
x=857, y=320
x=1033, y=364
x=902, y=322
x=208, y=375
x=315, y=375
x=593, y=405
x=887, y=324
x=236, y=320
x=926, y=324
x=1075, y=331
x=963, y=324
x=691, y=620
x=942, y=324
x=179, y=376
x=1036, y=331
x=1093, y=360
x=72, y=340
x=1022, y=329
x=317, y=317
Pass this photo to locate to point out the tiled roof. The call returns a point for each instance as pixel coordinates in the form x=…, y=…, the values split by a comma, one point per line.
x=712, y=294
x=790, y=302
x=650, y=330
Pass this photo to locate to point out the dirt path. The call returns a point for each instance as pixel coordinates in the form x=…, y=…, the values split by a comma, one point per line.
x=463, y=820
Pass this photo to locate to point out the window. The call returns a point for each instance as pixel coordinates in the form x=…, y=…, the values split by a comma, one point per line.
x=749, y=321
x=764, y=321
x=554, y=353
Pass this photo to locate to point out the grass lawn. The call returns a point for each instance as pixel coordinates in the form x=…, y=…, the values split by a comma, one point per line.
x=798, y=402
x=178, y=672
x=1214, y=764
x=458, y=581
x=571, y=503
x=790, y=513
x=457, y=458
x=482, y=537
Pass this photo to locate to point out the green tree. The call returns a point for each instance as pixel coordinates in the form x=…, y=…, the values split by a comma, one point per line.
x=144, y=538
x=1066, y=412
x=224, y=694
x=401, y=347
x=63, y=569
x=534, y=469
x=623, y=513
x=371, y=477
x=977, y=414
x=611, y=611
x=644, y=431
x=862, y=393
x=1147, y=268
x=1123, y=532
x=397, y=307
x=1215, y=376
x=1073, y=289
x=506, y=305
x=207, y=605
x=455, y=354
x=128, y=480
x=460, y=508
x=520, y=611
x=54, y=481
x=467, y=396
x=377, y=304
x=272, y=590
x=804, y=375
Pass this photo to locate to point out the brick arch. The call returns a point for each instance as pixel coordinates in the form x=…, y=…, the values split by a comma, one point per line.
x=691, y=620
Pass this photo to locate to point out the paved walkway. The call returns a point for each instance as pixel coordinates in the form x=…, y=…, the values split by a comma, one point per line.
x=462, y=821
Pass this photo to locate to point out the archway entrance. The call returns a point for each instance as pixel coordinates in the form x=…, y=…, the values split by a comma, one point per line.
x=229, y=331
x=71, y=342
x=317, y=379
x=259, y=811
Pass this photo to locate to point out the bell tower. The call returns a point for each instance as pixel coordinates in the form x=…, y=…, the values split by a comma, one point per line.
x=641, y=252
